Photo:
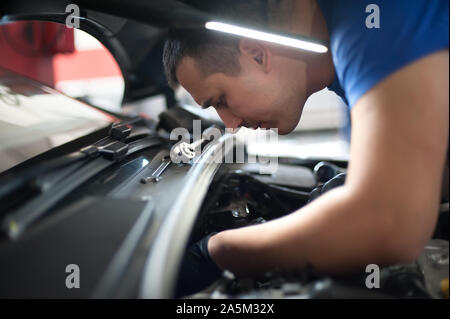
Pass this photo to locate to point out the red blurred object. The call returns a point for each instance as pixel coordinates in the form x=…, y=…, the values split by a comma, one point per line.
x=28, y=48
x=86, y=64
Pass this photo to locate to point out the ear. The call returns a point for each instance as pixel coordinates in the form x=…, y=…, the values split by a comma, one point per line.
x=258, y=52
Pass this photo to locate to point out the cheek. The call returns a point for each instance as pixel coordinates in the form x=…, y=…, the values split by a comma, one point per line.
x=241, y=100
x=253, y=99
x=262, y=99
x=250, y=106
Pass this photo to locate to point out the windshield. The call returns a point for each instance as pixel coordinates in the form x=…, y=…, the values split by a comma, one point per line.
x=35, y=119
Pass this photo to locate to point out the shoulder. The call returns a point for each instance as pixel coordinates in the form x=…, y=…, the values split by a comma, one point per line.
x=370, y=42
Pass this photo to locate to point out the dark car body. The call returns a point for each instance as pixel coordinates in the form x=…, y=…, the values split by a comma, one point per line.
x=75, y=190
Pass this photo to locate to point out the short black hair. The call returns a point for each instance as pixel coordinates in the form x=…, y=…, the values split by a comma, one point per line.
x=215, y=51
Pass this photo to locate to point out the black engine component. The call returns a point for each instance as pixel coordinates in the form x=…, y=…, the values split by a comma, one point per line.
x=336, y=181
x=177, y=117
x=325, y=171
x=239, y=199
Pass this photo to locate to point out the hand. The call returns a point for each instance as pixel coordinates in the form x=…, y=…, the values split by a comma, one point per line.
x=198, y=270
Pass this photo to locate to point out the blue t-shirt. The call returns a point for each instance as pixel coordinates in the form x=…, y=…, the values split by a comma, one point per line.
x=363, y=56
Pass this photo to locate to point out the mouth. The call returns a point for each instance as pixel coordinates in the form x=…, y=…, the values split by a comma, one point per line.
x=256, y=126
x=251, y=125
x=261, y=125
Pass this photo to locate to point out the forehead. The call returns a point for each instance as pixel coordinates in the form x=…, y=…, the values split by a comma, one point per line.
x=199, y=85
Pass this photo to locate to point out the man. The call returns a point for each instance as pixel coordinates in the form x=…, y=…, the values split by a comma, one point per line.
x=394, y=75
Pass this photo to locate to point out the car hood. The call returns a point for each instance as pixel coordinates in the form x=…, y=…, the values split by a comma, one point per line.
x=133, y=31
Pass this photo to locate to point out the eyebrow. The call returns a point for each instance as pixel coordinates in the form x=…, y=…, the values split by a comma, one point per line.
x=207, y=104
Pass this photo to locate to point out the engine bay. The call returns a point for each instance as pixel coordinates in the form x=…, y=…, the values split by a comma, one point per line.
x=241, y=197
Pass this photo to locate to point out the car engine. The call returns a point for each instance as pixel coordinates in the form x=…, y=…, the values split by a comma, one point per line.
x=241, y=197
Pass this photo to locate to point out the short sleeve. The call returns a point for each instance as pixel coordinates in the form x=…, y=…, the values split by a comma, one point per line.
x=363, y=56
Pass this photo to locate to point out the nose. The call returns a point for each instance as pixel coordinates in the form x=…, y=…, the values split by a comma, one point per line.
x=230, y=120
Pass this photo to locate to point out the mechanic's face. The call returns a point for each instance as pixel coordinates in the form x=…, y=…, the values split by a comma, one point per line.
x=263, y=94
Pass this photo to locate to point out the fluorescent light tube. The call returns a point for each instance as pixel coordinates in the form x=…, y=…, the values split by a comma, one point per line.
x=265, y=36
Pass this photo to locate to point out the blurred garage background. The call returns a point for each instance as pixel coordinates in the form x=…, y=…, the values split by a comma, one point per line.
x=78, y=65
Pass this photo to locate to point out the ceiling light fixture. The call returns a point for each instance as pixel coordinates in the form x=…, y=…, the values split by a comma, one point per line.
x=266, y=36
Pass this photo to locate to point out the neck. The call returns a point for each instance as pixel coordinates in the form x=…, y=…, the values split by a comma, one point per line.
x=320, y=73
x=306, y=18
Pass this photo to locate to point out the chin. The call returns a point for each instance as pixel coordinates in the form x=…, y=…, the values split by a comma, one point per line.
x=284, y=130
x=281, y=129
x=290, y=124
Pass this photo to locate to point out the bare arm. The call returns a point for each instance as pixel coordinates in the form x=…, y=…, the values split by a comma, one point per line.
x=387, y=210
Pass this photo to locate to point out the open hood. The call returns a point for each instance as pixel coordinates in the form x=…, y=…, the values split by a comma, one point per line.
x=133, y=31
